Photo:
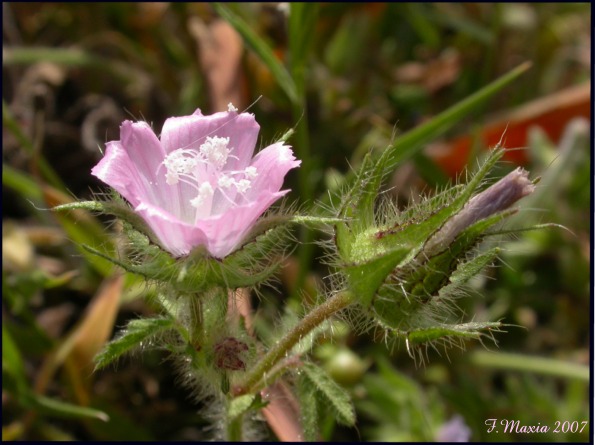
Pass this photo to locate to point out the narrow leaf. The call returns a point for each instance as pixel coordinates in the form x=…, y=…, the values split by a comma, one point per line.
x=464, y=330
x=302, y=22
x=262, y=50
x=12, y=361
x=53, y=407
x=135, y=333
x=413, y=140
x=407, y=144
x=308, y=409
x=331, y=392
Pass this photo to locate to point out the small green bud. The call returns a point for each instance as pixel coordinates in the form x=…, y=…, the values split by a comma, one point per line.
x=405, y=267
x=346, y=367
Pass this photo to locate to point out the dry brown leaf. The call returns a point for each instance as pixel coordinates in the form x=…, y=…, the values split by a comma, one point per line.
x=220, y=54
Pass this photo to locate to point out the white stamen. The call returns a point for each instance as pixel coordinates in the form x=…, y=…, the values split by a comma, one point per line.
x=192, y=167
x=179, y=162
x=215, y=151
x=205, y=191
x=171, y=177
x=251, y=172
x=242, y=185
x=225, y=181
x=230, y=107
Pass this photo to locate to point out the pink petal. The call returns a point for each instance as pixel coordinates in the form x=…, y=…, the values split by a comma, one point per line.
x=134, y=167
x=143, y=147
x=119, y=172
x=176, y=236
x=190, y=132
x=272, y=164
x=131, y=165
x=225, y=232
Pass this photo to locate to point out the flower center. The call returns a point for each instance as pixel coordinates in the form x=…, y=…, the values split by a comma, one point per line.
x=204, y=171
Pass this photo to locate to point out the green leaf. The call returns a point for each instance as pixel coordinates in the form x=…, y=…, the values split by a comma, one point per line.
x=12, y=361
x=315, y=221
x=137, y=332
x=85, y=230
x=262, y=50
x=419, y=232
x=469, y=269
x=441, y=275
x=269, y=222
x=410, y=142
x=117, y=208
x=309, y=415
x=53, y=407
x=302, y=22
x=21, y=183
x=366, y=278
x=88, y=232
x=331, y=392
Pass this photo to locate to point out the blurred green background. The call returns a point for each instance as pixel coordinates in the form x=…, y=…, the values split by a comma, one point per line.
x=350, y=77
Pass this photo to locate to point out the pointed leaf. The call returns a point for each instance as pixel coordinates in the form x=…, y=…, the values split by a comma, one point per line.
x=413, y=141
x=306, y=393
x=332, y=393
x=137, y=332
x=407, y=144
x=262, y=50
x=53, y=407
x=464, y=330
x=12, y=362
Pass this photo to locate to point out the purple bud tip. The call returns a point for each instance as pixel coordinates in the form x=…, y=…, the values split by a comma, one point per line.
x=495, y=198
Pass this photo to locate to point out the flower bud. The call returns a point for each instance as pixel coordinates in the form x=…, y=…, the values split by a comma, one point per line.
x=406, y=266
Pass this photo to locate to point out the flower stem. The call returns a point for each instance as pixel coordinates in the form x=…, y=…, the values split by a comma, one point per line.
x=197, y=327
x=234, y=429
x=282, y=347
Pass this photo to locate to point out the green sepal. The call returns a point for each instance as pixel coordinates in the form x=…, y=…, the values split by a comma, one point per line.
x=136, y=332
x=370, y=256
x=198, y=272
x=472, y=330
x=365, y=279
x=421, y=231
x=116, y=207
x=410, y=288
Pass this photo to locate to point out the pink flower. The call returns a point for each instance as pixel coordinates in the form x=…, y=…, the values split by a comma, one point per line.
x=199, y=184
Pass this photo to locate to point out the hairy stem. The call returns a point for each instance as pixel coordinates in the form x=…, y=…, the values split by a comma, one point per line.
x=283, y=346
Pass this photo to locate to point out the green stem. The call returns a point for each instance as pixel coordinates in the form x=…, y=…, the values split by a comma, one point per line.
x=282, y=347
x=196, y=315
x=234, y=429
x=537, y=365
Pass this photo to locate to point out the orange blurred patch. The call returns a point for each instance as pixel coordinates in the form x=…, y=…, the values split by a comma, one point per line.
x=552, y=113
